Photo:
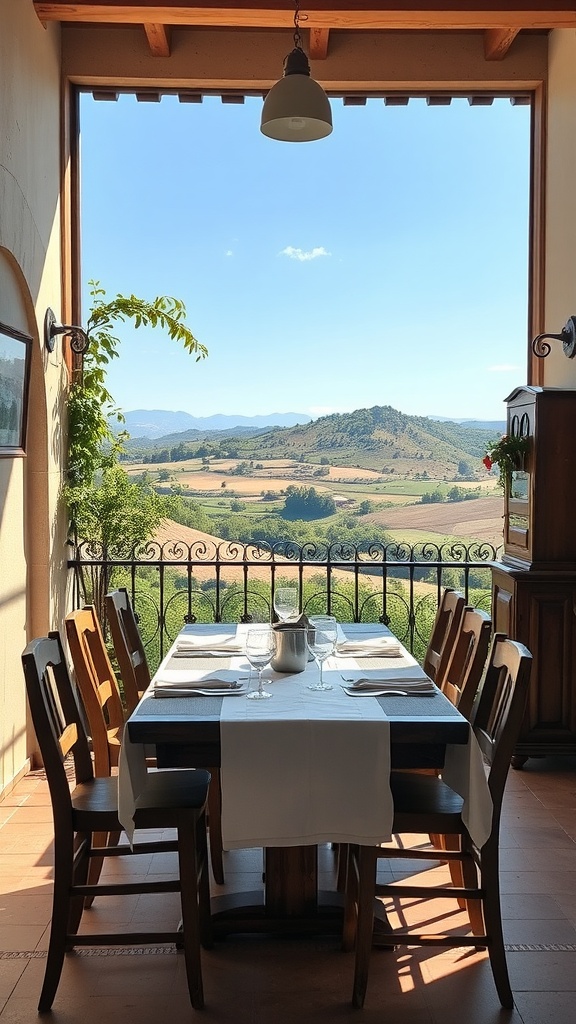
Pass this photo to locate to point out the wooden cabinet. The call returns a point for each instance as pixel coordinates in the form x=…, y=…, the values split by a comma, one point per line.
x=540, y=506
x=539, y=609
x=534, y=586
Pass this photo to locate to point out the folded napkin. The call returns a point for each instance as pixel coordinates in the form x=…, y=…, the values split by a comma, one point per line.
x=221, y=644
x=382, y=647
x=414, y=685
x=177, y=680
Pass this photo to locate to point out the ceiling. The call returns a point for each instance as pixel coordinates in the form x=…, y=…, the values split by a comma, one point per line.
x=499, y=27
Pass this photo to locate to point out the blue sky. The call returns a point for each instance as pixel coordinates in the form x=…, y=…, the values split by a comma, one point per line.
x=385, y=265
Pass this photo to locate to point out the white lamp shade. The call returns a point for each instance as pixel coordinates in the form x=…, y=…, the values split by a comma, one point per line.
x=296, y=110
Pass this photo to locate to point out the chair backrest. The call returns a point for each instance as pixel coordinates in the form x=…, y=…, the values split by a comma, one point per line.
x=498, y=709
x=128, y=646
x=57, y=721
x=97, y=684
x=468, y=659
x=443, y=635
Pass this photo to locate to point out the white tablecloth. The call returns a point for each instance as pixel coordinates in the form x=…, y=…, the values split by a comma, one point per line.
x=308, y=767
x=304, y=767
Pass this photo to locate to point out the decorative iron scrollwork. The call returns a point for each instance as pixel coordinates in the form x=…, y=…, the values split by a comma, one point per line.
x=567, y=336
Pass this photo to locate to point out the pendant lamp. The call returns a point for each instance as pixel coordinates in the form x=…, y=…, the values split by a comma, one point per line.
x=296, y=109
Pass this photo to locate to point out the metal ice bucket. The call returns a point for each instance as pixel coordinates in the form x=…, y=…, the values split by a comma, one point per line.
x=291, y=650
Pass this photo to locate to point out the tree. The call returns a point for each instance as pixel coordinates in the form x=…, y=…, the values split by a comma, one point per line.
x=104, y=507
x=307, y=503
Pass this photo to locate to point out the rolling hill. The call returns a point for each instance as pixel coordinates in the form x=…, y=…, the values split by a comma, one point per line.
x=381, y=438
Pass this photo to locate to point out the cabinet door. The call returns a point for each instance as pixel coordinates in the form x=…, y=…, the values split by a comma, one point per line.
x=545, y=621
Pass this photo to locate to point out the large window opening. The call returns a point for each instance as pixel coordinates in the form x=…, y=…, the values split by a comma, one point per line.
x=385, y=265
x=375, y=283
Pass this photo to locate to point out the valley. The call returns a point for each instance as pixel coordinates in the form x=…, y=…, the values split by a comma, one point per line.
x=377, y=474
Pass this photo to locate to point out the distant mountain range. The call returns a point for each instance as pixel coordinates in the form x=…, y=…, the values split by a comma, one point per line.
x=156, y=423
x=163, y=423
x=380, y=438
x=498, y=426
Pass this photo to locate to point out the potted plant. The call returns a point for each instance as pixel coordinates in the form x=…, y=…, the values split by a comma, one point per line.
x=508, y=453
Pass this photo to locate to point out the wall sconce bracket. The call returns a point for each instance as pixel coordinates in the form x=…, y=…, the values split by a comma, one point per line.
x=79, y=340
x=567, y=336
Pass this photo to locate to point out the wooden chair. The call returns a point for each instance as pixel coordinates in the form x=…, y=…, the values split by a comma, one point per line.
x=98, y=686
x=425, y=804
x=443, y=635
x=135, y=673
x=173, y=800
x=467, y=660
x=460, y=685
x=102, y=704
x=128, y=647
x=461, y=680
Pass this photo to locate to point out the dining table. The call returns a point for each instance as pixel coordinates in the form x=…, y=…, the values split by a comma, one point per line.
x=305, y=767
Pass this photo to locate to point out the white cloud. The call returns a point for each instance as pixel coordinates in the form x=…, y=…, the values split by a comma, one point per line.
x=503, y=368
x=229, y=252
x=303, y=255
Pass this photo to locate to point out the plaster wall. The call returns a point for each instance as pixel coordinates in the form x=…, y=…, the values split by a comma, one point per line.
x=560, y=251
x=32, y=551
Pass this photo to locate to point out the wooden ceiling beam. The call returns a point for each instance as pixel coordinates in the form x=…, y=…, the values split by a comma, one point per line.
x=158, y=37
x=321, y=14
x=497, y=42
x=318, y=48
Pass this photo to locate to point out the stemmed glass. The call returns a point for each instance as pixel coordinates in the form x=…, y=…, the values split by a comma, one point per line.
x=260, y=648
x=286, y=603
x=322, y=637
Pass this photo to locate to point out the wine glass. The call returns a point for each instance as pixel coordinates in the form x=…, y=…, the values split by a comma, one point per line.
x=260, y=647
x=286, y=603
x=322, y=637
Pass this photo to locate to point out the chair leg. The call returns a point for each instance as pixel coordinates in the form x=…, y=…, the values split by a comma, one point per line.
x=95, y=868
x=61, y=911
x=342, y=861
x=80, y=874
x=215, y=825
x=206, y=936
x=351, y=899
x=367, y=864
x=467, y=875
x=452, y=842
x=493, y=916
x=189, y=873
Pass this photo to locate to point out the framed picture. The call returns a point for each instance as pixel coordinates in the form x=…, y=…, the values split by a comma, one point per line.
x=15, y=353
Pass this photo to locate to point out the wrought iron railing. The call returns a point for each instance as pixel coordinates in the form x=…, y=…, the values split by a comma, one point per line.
x=174, y=583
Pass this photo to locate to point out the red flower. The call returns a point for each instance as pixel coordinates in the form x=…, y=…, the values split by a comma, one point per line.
x=487, y=462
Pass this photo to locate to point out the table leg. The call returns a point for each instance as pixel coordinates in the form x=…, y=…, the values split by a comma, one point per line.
x=291, y=874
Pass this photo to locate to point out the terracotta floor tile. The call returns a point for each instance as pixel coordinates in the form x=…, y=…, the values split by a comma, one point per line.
x=259, y=980
x=567, y=906
x=540, y=932
x=546, y=1007
x=527, y=837
x=553, y=883
x=543, y=971
x=532, y=907
x=10, y=973
x=540, y=859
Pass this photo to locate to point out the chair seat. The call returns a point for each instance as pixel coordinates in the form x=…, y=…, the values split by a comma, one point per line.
x=165, y=793
x=423, y=803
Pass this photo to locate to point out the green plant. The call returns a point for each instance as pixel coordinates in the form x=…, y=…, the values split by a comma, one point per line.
x=93, y=447
x=104, y=506
x=508, y=452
